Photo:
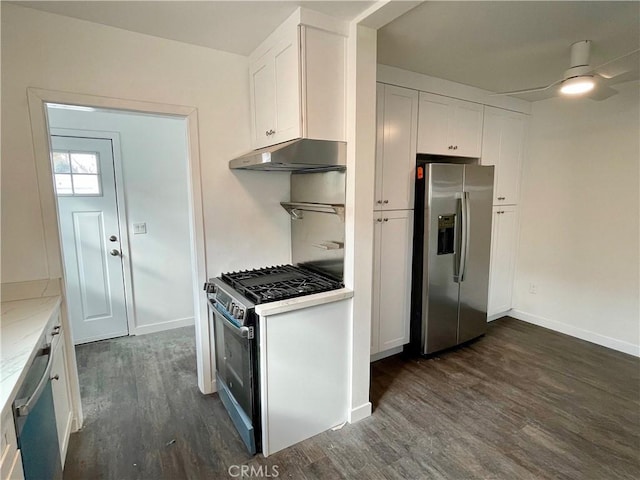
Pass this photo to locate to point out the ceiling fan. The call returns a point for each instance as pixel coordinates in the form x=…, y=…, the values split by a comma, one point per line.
x=581, y=78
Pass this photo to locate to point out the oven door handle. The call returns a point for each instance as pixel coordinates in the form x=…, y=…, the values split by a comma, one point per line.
x=244, y=332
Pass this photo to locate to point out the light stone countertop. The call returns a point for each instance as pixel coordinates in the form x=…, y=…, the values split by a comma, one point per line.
x=296, y=303
x=22, y=325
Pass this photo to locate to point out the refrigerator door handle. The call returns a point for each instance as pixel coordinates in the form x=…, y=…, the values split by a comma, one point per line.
x=457, y=241
x=466, y=224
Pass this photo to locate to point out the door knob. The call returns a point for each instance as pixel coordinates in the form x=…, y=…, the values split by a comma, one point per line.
x=115, y=252
x=113, y=238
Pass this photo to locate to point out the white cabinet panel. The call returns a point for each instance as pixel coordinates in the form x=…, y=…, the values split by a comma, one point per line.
x=393, y=236
x=466, y=134
x=287, y=86
x=263, y=100
x=503, y=254
x=61, y=396
x=433, y=124
x=396, y=147
x=503, y=144
x=447, y=126
x=10, y=459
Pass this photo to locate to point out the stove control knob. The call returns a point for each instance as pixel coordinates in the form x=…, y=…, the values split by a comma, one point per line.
x=234, y=311
x=240, y=314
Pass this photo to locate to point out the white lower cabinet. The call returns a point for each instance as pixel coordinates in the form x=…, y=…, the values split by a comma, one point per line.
x=10, y=459
x=61, y=395
x=503, y=256
x=393, y=245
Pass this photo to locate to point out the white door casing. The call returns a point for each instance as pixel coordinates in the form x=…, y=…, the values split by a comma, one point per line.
x=90, y=234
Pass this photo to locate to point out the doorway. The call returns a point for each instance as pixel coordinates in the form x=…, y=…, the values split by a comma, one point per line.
x=38, y=100
x=121, y=185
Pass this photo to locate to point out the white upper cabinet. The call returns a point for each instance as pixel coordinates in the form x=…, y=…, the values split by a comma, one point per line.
x=503, y=146
x=297, y=82
x=275, y=92
x=448, y=126
x=397, y=124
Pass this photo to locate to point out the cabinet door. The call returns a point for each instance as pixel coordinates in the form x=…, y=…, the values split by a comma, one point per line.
x=466, y=129
x=503, y=146
x=397, y=151
x=503, y=254
x=434, y=115
x=395, y=244
x=286, y=65
x=61, y=396
x=263, y=100
x=275, y=92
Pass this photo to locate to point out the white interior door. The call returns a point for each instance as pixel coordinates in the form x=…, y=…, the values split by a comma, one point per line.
x=88, y=214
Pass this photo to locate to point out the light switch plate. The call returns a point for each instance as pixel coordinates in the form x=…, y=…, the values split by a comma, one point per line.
x=139, y=228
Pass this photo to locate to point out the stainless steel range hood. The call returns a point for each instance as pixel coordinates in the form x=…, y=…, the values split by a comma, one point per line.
x=295, y=156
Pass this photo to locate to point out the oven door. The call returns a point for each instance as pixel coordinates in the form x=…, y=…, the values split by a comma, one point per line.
x=235, y=370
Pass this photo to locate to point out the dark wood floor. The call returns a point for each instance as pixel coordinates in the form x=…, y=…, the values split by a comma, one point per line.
x=522, y=402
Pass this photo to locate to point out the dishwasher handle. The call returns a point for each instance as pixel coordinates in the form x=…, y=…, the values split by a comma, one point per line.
x=25, y=405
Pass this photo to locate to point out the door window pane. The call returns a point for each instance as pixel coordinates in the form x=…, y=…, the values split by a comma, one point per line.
x=86, y=185
x=63, y=184
x=61, y=162
x=76, y=173
x=84, y=163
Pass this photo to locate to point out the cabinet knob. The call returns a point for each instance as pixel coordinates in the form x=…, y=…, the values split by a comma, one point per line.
x=386, y=219
x=378, y=220
x=455, y=147
x=55, y=377
x=386, y=201
x=450, y=147
x=501, y=198
x=379, y=202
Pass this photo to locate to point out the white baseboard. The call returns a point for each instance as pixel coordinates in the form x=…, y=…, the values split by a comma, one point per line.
x=162, y=326
x=387, y=353
x=589, y=336
x=358, y=413
x=496, y=316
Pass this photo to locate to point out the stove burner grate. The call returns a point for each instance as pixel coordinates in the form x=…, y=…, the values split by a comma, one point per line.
x=279, y=283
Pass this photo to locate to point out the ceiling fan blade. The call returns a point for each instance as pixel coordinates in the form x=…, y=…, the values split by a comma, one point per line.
x=601, y=92
x=623, y=77
x=527, y=90
x=629, y=62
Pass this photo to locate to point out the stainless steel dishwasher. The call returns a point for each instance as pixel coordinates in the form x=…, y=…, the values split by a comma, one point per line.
x=35, y=420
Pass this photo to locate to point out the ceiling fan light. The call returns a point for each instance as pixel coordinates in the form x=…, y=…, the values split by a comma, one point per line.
x=577, y=85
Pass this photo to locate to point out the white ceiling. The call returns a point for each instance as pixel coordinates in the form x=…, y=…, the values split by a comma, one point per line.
x=504, y=46
x=232, y=26
x=494, y=45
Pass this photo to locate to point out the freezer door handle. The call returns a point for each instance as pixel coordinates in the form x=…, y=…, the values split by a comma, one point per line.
x=466, y=222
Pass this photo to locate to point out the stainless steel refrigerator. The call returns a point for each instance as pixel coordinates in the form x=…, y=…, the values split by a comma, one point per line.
x=452, y=244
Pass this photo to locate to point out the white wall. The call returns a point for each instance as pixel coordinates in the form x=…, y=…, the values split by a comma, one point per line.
x=155, y=186
x=580, y=219
x=244, y=223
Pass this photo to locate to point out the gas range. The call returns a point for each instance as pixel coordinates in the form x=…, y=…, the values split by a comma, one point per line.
x=232, y=298
x=280, y=282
